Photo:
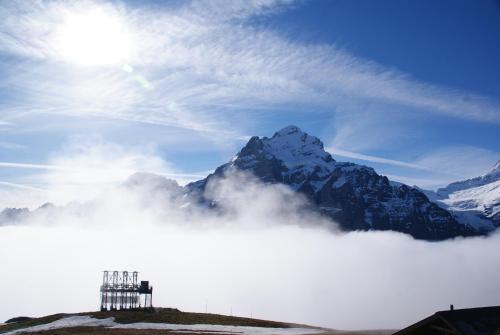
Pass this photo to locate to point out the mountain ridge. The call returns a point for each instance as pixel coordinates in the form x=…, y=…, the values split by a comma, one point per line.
x=353, y=196
x=491, y=176
x=474, y=200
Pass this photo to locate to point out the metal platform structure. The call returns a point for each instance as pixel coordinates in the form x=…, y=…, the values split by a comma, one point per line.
x=121, y=290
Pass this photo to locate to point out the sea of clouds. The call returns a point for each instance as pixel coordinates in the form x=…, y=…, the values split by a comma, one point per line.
x=260, y=255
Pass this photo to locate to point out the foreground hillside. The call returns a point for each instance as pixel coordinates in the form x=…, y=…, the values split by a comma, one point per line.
x=158, y=322
x=129, y=317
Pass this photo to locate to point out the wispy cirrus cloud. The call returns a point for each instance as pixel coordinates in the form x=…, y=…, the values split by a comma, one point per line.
x=11, y=146
x=460, y=161
x=443, y=165
x=84, y=167
x=204, y=68
x=376, y=159
x=202, y=57
x=20, y=186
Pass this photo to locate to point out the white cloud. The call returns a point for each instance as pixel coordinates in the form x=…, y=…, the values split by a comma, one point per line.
x=443, y=166
x=11, y=146
x=21, y=186
x=31, y=166
x=428, y=183
x=460, y=161
x=83, y=168
x=263, y=257
x=15, y=195
x=375, y=159
x=98, y=163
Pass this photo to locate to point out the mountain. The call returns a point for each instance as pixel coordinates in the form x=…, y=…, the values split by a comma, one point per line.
x=13, y=215
x=475, y=201
x=354, y=196
x=491, y=177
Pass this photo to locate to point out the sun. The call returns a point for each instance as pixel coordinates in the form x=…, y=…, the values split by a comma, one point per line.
x=94, y=37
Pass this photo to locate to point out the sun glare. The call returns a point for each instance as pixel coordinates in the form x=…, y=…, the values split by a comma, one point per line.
x=94, y=37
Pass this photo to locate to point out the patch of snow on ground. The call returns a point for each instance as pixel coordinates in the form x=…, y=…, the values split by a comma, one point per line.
x=78, y=321
x=70, y=321
x=221, y=328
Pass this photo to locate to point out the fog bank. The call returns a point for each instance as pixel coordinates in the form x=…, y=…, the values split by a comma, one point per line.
x=263, y=257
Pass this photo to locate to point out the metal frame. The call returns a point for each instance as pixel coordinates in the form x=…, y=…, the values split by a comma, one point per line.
x=121, y=290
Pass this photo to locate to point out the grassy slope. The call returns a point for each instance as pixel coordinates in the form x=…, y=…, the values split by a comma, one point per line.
x=110, y=331
x=34, y=322
x=159, y=315
x=171, y=315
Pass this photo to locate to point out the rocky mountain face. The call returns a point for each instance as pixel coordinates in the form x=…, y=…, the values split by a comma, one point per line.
x=474, y=201
x=354, y=196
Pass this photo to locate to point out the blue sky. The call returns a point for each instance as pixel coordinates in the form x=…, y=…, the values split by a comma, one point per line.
x=92, y=91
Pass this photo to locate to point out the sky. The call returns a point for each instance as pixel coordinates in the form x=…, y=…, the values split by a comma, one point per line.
x=93, y=91
x=407, y=87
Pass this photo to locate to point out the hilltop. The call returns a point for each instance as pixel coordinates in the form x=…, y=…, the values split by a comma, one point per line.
x=161, y=321
x=101, y=322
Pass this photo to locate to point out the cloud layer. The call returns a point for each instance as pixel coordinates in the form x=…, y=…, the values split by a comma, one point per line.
x=263, y=255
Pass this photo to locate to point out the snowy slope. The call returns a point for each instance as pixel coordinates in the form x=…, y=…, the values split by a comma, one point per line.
x=492, y=176
x=474, y=201
x=87, y=321
x=299, y=152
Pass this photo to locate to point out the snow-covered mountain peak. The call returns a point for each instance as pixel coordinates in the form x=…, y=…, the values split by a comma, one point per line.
x=298, y=150
x=353, y=195
x=289, y=131
x=289, y=154
x=293, y=138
